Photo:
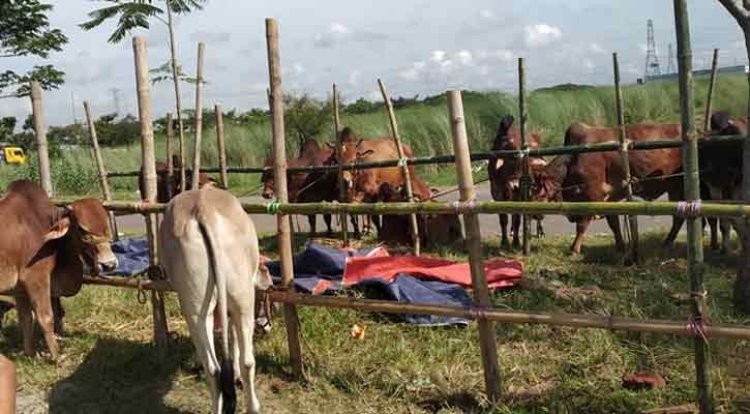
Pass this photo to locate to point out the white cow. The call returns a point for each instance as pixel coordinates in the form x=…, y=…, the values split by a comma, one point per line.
x=209, y=249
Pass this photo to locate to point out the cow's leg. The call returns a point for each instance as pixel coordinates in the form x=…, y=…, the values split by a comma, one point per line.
x=26, y=322
x=59, y=313
x=311, y=219
x=504, y=242
x=712, y=227
x=376, y=222
x=355, y=225
x=726, y=235
x=327, y=219
x=42, y=306
x=582, y=224
x=243, y=326
x=539, y=228
x=516, y=225
x=614, y=224
x=677, y=223
x=201, y=331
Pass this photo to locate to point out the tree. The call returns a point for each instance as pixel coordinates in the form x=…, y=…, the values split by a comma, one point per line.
x=7, y=126
x=306, y=117
x=25, y=31
x=740, y=10
x=134, y=14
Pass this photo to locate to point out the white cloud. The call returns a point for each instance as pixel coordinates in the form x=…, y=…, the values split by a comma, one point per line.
x=354, y=77
x=437, y=56
x=596, y=49
x=465, y=58
x=339, y=28
x=540, y=35
x=487, y=14
x=338, y=33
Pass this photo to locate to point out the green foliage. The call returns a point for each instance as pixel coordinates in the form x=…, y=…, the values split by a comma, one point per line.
x=25, y=31
x=134, y=14
x=7, y=127
x=164, y=72
x=126, y=131
x=306, y=117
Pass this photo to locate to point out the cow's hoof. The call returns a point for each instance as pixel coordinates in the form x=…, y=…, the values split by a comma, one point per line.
x=505, y=244
x=516, y=245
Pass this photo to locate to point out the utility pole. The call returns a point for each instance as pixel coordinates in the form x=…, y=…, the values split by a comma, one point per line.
x=652, y=59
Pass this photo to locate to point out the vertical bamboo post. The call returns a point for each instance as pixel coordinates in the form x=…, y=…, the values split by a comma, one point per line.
x=525, y=176
x=404, y=165
x=37, y=108
x=220, y=145
x=279, y=171
x=711, y=85
x=198, y=118
x=106, y=194
x=178, y=98
x=692, y=193
x=632, y=254
x=170, y=164
x=474, y=245
x=339, y=151
x=161, y=334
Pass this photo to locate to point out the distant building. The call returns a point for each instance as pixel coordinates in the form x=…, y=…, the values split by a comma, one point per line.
x=696, y=73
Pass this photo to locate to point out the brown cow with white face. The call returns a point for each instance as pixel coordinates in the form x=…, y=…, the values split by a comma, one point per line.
x=42, y=250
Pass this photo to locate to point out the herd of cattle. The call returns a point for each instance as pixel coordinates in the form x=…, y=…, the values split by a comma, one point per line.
x=43, y=248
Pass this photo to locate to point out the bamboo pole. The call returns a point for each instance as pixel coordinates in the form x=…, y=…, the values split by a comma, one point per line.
x=220, y=145
x=106, y=194
x=40, y=129
x=198, y=118
x=642, y=208
x=170, y=164
x=404, y=166
x=711, y=85
x=178, y=99
x=474, y=245
x=161, y=333
x=692, y=192
x=632, y=254
x=339, y=150
x=480, y=156
x=279, y=167
x=581, y=321
x=525, y=177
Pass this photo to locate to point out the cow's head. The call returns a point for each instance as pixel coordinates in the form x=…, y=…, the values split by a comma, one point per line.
x=86, y=223
x=545, y=187
x=266, y=178
x=263, y=279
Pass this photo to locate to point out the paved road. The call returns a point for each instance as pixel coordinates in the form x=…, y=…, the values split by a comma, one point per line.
x=553, y=225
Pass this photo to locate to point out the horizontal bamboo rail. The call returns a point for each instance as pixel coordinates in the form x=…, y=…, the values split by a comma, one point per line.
x=492, y=314
x=641, y=208
x=477, y=156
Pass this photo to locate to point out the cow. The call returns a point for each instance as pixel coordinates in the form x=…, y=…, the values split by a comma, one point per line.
x=311, y=155
x=505, y=175
x=434, y=229
x=7, y=386
x=599, y=176
x=209, y=250
x=42, y=251
x=165, y=187
x=363, y=186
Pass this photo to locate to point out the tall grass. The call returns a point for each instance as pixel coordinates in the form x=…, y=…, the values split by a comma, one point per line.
x=425, y=127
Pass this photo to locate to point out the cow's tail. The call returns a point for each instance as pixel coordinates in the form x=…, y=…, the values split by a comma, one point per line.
x=226, y=372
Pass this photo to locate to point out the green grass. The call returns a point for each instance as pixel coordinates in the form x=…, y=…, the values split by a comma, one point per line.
x=109, y=364
x=423, y=126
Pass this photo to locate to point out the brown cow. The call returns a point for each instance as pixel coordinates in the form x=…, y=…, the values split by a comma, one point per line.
x=599, y=176
x=41, y=252
x=505, y=175
x=434, y=229
x=363, y=186
x=311, y=155
x=163, y=185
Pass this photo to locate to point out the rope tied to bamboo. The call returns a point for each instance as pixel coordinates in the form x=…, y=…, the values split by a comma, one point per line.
x=625, y=145
x=697, y=325
x=402, y=162
x=469, y=205
x=479, y=312
x=690, y=209
x=141, y=294
x=272, y=207
x=523, y=153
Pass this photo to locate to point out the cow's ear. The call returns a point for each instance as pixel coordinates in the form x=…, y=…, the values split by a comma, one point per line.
x=263, y=279
x=360, y=142
x=365, y=154
x=58, y=230
x=331, y=146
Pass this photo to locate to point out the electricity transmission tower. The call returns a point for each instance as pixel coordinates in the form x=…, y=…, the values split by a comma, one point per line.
x=652, y=59
x=116, y=99
x=670, y=63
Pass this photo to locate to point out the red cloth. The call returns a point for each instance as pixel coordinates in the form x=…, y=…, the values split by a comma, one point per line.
x=499, y=273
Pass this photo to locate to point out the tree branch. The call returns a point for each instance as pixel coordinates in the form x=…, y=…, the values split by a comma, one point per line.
x=738, y=9
x=10, y=55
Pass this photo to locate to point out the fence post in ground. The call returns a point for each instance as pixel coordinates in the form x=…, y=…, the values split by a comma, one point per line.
x=525, y=176
x=220, y=146
x=711, y=85
x=279, y=171
x=161, y=334
x=339, y=148
x=403, y=164
x=198, y=118
x=170, y=164
x=631, y=255
x=692, y=193
x=37, y=108
x=474, y=245
x=106, y=194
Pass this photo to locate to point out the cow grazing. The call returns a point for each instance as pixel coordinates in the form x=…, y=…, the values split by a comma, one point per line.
x=311, y=155
x=165, y=187
x=599, y=176
x=41, y=252
x=505, y=175
x=209, y=249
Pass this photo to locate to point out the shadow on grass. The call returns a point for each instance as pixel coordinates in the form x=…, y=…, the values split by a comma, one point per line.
x=127, y=375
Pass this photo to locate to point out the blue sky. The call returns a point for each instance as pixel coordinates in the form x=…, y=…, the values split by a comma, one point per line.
x=416, y=46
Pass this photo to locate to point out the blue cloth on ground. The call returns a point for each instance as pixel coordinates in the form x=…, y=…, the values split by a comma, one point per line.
x=320, y=269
